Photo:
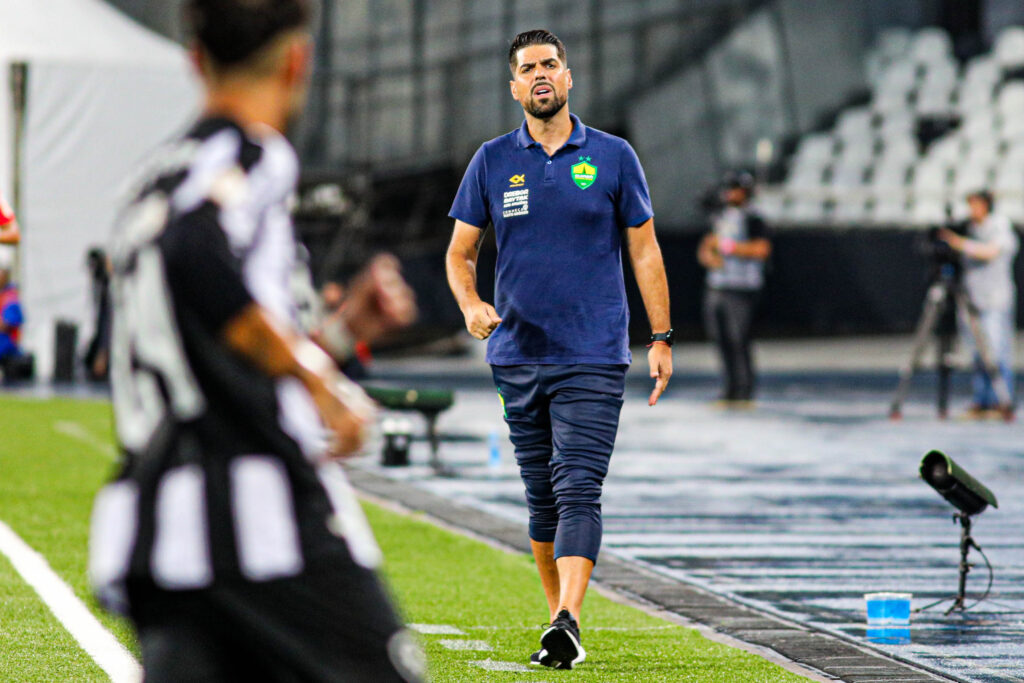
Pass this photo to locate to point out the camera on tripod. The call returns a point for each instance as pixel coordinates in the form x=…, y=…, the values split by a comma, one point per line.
x=937, y=250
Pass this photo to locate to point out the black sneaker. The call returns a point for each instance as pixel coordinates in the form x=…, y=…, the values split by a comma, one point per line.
x=536, y=656
x=560, y=644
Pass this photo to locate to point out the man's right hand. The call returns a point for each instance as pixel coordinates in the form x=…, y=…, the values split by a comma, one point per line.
x=481, y=319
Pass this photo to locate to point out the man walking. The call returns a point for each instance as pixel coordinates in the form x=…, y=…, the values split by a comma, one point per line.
x=561, y=197
x=230, y=539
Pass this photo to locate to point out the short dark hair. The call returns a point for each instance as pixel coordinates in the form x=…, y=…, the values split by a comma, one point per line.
x=983, y=195
x=232, y=31
x=537, y=36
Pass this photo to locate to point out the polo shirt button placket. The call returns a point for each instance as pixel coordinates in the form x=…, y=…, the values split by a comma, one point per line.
x=549, y=172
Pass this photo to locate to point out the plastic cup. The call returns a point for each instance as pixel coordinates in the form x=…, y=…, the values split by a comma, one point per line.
x=888, y=608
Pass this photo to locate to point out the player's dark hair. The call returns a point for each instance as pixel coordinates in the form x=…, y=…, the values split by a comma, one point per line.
x=537, y=36
x=232, y=31
x=983, y=195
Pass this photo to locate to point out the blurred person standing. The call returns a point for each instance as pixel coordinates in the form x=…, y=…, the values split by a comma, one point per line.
x=229, y=536
x=10, y=233
x=562, y=197
x=11, y=316
x=987, y=254
x=734, y=253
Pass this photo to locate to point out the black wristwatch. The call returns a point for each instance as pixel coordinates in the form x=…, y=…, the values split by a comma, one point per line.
x=662, y=337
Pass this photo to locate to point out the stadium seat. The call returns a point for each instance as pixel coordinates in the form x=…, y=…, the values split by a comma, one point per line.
x=770, y=204
x=854, y=125
x=899, y=149
x=979, y=125
x=982, y=152
x=971, y=177
x=849, y=173
x=851, y=208
x=1008, y=178
x=817, y=148
x=900, y=77
x=890, y=173
x=897, y=123
x=1010, y=101
x=930, y=45
x=805, y=210
x=890, y=207
x=928, y=211
x=931, y=177
x=1012, y=208
x=1009, y=48
x=947, y=150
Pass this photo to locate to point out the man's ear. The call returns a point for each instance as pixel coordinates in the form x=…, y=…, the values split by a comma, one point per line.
x=512, y=87
x=569, y=72
x=297, y=61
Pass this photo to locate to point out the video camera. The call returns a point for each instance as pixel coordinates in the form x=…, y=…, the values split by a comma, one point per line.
x=937, y=250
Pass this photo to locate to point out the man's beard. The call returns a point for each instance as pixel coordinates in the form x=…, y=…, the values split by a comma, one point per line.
x=547, y=109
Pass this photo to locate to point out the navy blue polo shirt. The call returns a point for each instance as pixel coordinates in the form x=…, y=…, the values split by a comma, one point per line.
x=558, y=220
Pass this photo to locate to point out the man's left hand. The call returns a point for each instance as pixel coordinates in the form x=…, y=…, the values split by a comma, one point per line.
x=659, y=359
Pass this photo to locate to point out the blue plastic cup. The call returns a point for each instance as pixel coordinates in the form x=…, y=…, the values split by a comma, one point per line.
x=888, y=608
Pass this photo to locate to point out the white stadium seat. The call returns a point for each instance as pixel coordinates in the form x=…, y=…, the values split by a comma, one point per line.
x=982, y=152
x=854, y=124
x=890, y=207
x=971, y=178
x=890, y=174
x=1009, y=49
x=928, y=211
x=818, y=148
x=1010, y=101
x=901, y=149
x=931, y=177
x=947, y=150
x=849, y=173
x=1009, y=177
x=979, y=125
x=931, y=45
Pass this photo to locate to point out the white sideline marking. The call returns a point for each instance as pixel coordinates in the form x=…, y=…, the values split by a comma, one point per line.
x=492, y=665
x=436, y=629
x=477, y=645
x=80, y=433
x=97, y=641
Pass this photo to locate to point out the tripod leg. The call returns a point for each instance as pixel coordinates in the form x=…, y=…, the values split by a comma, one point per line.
x=934, y=303
x=945, y=372
x=970, y=315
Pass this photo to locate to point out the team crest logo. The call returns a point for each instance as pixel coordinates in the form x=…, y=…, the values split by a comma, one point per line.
x=517, y=180
x=584, y=173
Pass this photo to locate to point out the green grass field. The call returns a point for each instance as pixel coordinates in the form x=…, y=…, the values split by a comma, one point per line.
x=55, y=454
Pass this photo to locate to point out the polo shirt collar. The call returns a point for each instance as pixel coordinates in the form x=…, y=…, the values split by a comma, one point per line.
x=576, y=139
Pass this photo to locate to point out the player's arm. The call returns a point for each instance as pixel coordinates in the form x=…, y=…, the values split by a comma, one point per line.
x=649, y=270
x=756, y=248
x=205, y=277
x=253, y=334
x=707, y=252
x=460, y=264
x=972, y=249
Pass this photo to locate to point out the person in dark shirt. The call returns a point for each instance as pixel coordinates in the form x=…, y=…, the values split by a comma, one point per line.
x=562, y=198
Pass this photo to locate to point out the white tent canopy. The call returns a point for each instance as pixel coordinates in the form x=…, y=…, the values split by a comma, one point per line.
x=99, y=92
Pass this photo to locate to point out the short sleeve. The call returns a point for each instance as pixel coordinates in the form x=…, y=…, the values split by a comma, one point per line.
x=6, y=214
x=471, y=205
x=633, y=203
x=757, y=229
x=204, y=275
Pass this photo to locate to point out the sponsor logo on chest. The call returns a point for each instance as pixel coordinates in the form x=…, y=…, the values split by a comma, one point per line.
x=584, y=173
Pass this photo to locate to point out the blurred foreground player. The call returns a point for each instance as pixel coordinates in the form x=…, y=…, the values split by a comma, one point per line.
x=734, y=253
x=562, y=198
x=229, y=537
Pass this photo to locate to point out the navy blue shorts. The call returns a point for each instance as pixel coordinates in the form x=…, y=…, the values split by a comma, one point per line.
x=563, y=420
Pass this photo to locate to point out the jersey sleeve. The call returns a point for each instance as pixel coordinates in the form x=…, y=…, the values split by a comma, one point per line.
x=6, y=213
x=204, y=275
x=471, y=205
x=633, y=203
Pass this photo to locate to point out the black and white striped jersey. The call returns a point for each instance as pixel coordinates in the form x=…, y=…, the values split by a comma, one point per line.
x=223, y=475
